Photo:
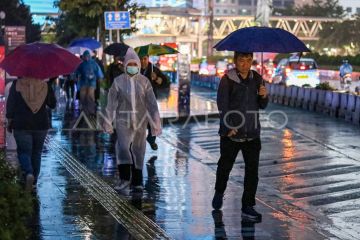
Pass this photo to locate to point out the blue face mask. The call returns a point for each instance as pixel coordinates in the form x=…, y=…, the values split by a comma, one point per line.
x=132, y=70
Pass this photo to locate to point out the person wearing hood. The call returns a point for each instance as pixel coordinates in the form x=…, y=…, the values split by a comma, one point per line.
x=114, y=70
x=131, y=106
x=28, y=119
x=88, y=74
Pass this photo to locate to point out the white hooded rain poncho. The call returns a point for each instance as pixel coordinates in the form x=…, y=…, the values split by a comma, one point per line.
x=131, y=106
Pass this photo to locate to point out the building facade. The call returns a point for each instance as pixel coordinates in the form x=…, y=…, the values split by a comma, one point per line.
x=165, y=3
x=300, y=3
x=40, y=9
x=351, y=7
x=244, y=7
x=220, y=7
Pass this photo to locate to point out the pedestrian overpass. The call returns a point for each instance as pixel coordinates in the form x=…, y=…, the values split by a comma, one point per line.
x=191, y=29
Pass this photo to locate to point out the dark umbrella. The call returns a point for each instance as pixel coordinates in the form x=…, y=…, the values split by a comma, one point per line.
x=40, y=60
x=85, y=42
x=261, y=39
x=116, y=49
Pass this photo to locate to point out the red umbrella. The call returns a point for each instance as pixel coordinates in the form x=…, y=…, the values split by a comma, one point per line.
x=40, y=60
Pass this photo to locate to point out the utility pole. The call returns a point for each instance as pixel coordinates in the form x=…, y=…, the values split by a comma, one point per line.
x=211, y=28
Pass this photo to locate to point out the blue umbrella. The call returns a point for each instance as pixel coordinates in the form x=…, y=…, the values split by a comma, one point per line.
x=78, y=50
x=85, y=42
x=261, y=39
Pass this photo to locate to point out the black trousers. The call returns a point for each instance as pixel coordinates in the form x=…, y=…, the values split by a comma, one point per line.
x=97, y=89
x=150, y=138
x=127, y=171
x=251, y=152
x=70, y=89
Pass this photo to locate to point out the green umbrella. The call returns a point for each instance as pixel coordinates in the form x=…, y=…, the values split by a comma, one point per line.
x=154, y=50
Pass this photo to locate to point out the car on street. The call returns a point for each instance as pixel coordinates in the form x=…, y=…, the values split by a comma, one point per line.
x=296, y=72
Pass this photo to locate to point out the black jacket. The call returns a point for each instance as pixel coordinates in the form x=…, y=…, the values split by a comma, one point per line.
x=114, y=70
x=147, y=73
x=22, y=117
x=238, y=103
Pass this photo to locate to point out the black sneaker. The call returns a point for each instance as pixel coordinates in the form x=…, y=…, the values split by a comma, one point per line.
x=154, y=146
x=250, y=213
x=29, y=180
x=217, y=201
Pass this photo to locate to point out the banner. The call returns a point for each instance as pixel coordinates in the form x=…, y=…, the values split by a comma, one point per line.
x=2, y=72
x=2, y=99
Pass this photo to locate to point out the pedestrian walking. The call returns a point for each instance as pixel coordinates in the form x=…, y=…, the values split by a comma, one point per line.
x=158, y=81
x=131, y=106
x=51, y=82
x=101, y=65
x=241, y=94
x=69, y=87
x=28, y=119
x=88, y=74
x=115, y=69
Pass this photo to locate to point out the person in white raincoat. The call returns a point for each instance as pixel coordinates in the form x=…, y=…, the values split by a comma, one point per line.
x=131, y=106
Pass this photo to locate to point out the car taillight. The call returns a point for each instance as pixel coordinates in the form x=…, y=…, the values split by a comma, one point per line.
x=269, y=72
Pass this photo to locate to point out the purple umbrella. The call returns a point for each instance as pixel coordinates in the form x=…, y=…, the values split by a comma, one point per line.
x=40, y=60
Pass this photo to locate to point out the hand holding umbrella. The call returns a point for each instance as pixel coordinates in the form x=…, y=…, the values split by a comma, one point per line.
x=262, y=91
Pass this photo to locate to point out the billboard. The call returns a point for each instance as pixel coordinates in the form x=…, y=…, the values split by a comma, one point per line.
x=14, y=36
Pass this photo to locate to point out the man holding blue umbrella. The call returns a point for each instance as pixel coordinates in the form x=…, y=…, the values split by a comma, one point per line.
x=241, y=94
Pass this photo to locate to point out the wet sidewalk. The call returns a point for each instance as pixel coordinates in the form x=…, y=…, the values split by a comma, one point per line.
x=76, y=199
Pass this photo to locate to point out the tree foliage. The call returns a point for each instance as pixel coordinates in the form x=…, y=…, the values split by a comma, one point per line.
x=15, y=204
x=318, y=8
x=344, y=35
x=18, y=14
x=81, y=18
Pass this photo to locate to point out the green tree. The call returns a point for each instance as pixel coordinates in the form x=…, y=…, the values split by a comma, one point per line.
x=18, y=14
x=344, y=35
x=81, y=18
x=16, y=205
x=318, y=8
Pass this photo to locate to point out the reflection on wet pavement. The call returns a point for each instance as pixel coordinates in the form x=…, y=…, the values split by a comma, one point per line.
x=297, y=175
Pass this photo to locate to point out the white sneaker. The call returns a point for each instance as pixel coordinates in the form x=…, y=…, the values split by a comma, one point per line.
x=122, y=185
